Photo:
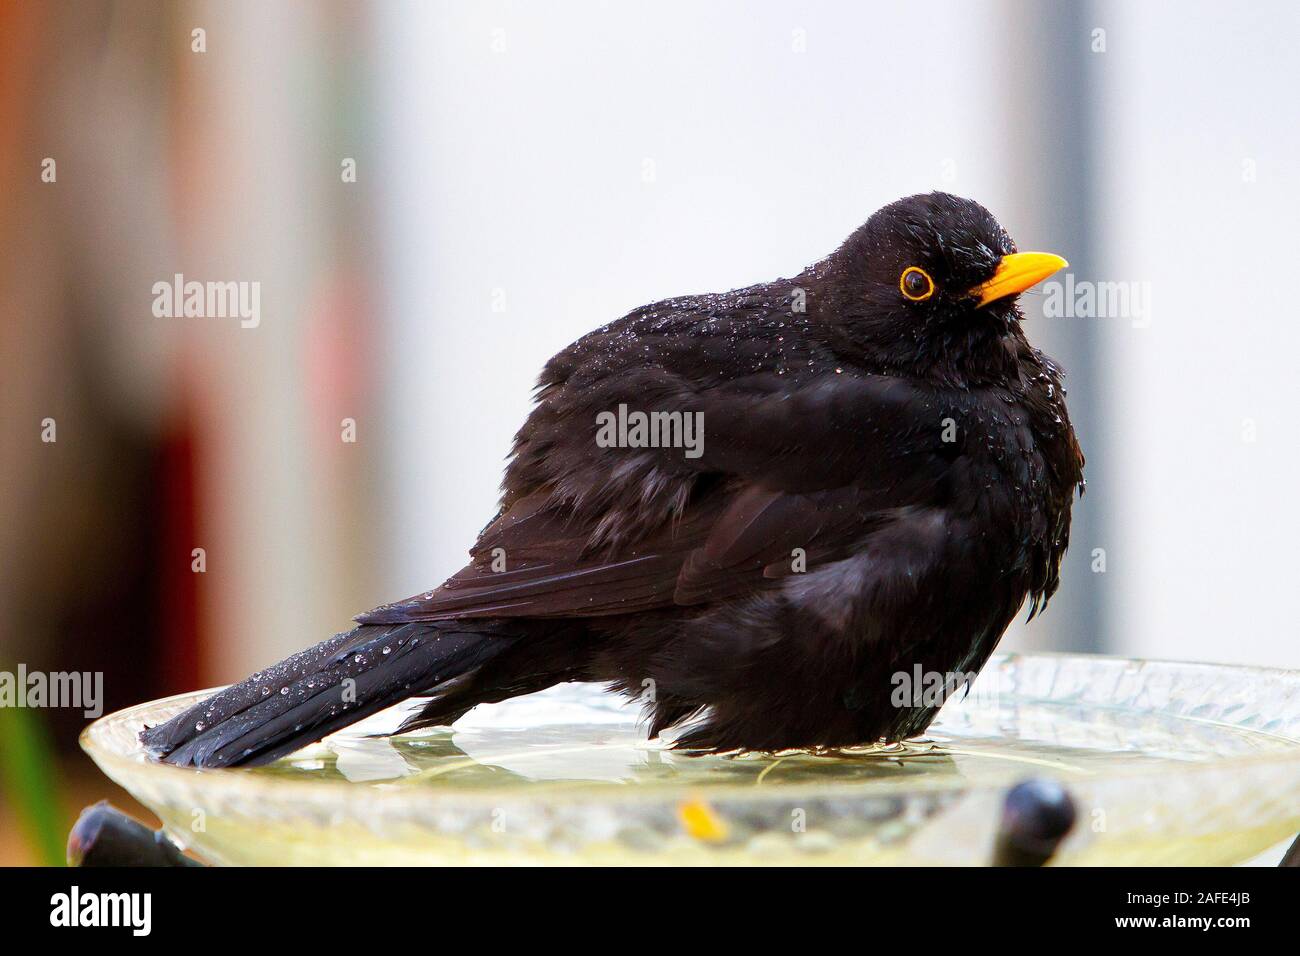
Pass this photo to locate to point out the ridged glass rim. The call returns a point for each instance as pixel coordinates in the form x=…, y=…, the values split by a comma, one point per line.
x=237, y=782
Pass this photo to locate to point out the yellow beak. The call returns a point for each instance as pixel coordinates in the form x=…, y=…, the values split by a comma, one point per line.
x=1016, y=273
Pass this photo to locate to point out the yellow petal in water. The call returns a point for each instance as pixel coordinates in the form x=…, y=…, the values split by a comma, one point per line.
x=701, y=822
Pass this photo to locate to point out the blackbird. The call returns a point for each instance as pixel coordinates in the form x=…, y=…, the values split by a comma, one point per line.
x=762, y=512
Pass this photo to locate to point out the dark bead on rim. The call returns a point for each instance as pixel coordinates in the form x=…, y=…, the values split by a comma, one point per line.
x=1036, y=816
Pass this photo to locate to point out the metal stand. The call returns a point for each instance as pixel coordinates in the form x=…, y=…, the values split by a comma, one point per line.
x=1036, y=816
x=105, y=836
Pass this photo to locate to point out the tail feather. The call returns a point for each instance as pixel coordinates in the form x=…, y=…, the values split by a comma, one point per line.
x=320, y=690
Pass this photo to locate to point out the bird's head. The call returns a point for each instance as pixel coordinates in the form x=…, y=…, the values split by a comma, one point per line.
x=929, y=284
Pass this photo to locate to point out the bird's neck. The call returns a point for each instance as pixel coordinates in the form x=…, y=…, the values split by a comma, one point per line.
x=973, y=356
x=964, y=358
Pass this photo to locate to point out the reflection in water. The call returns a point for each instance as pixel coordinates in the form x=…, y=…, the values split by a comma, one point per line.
x=577, y=734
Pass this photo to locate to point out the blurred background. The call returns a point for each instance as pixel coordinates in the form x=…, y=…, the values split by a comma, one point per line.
x=434, y=197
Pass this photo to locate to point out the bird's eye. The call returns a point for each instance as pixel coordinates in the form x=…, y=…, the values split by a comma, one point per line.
x=916, y=284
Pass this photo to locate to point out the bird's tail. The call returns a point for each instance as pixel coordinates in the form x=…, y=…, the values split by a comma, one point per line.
x=322, y=689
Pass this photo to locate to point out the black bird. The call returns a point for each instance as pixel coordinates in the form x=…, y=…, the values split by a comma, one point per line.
x=857, y=473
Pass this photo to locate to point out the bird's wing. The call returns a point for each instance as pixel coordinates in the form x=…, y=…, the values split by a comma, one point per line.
x=529, y=563
x=609, y=531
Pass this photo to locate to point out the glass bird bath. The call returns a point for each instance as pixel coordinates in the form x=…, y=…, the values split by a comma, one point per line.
x=1168, y=763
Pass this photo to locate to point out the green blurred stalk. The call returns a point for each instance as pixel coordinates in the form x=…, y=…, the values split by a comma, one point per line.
x=28, y=780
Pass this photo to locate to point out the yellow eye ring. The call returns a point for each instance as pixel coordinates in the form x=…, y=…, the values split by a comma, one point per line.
x=915, y=284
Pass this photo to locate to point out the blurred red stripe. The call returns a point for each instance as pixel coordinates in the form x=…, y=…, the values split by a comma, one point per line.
x=180, y=668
